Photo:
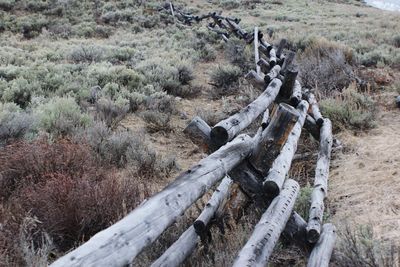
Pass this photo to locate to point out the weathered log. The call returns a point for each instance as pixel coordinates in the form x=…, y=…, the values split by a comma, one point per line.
x=289, y=58
x=264, y=65
x=265, y=48
x=272, y=58
x=247, y=179
x=311, y=126
x=320, y=189
x=239, y=32
x=265, y=119
x=120, y=243
x=398, y=101
x=296, y=94
x=266, y=233
x=272, y=74
x=289, y=81
x=227, y=129
x=185, y=245
x=281, y=46
x=314, y=108
x=281, y=165
x=178, y=251
x=295, y=232
x=256, y=80
x=256, y=53
x=273, y=138
x=198, y=131
x=212, y=205
x=322, y=251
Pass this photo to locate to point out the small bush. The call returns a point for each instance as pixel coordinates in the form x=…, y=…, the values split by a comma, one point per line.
x=157, y=121
x=207, y=53
x=86, y=54
x=161, y=103
x=61, y=116
x=238, y=53
x=14, y=122
x=20, y=92
x=350, y=109
x=230, y=4
x=111, y=112
x=303, y=201
x=225, y=79
x=396, y=41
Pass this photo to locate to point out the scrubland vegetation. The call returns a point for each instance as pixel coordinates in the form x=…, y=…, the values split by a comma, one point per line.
x=74, y=73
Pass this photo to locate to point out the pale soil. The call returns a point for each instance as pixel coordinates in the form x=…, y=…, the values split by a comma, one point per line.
x=365, y=183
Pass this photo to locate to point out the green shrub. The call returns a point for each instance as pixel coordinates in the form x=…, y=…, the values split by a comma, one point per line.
x=61, y=116
x=230, y=4
x=238, y=53
x=156, y=121
x=350, y=109
x=111, y=112
x=302, y=206
x=7, y=5
x=207, y=53
x=87, y=54
x=225, y=79
x=19, y=92
x=396, y=41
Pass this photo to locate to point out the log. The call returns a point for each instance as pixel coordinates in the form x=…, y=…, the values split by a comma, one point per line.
x=261, y=243
x=322, y=252
x=281, y=46
x=289, y=81
x=398, y=101
x=246, y=178
x=296, y=94
x=198, y=131
x=264, y=65
x=227, y=129
x=120, y=243
x=273, y=138
x=276, y=175
x=178, y=251
x=320, y=189
x=311, y=126
x=265, y=48
x=289, y=58
x=272, y=58
x=256, y=53
x=239, y=32
x=295, y=231
x=185, y=245
x=265, y=120
x=314, y=108
x=272, y=74
x=256, y=80
x=212, y=205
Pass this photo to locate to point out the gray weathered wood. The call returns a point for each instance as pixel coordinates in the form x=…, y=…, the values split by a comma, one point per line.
x=281, y=46
x=256, y=80
x=272, y=58
x=289, y=81
x=212, y=205
x=311, y=126
x=314, y=108
x=265, y=119
x=256, y=53
x=265, y=48
x=230, y=127
x=322, y=251
x=295, y=231
x=264, y=65
x=281, y=165
x=273, y=138
x=198, y=131
x=320, y=189
x=119, y=244
x=398, y=101
x=272, y=74
x=289, y=58
x=261, y=243
x=296, y=94
x=185, y=245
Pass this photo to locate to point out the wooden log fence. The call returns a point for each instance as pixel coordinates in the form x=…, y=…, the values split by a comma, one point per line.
x=259, y=165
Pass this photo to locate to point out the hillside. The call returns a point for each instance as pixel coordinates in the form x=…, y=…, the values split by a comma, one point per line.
x=94, y=97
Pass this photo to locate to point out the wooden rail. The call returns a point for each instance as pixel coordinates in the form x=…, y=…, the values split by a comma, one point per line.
x=258, y=164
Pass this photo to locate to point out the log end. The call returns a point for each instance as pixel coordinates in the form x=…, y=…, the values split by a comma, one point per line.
x=219, y=136
x=271, y=189
x=199, y=227
x=320, y=121
x=313, y=235
x=294, y=101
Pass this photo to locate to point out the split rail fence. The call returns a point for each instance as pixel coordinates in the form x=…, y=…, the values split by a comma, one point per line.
x=259, y=164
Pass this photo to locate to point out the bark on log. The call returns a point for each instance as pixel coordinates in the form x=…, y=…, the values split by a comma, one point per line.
x=289, y=58
x=295, y=231
x=314, y=108
x=119, y=244
x=277, y=173
x=320, y=183
x=273, y=138
x=322, y=251
x=261, y=243
x=212, y=205
x=272, y=58
x=227, y=129
x=272, y=74
x=256, y=80
x=256, y=53
x=296, y=94
x=311, y=126
x=289, y=81
x=264, y=65
x=198, y=131
x=185, y=245
x=281, y=46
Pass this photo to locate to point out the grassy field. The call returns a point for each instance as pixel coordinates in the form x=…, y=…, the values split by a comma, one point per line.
x=94, y=96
